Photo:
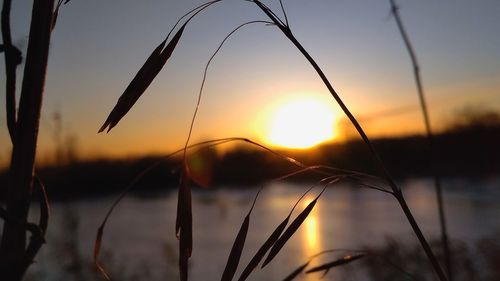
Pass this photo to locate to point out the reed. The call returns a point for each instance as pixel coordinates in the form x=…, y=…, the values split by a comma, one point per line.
x=430, y=139
x=16, y=254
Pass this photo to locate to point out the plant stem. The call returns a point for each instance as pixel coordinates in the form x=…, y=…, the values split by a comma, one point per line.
x=430, y=139
x=12, y=59
x=396, y=190
x=13, y=262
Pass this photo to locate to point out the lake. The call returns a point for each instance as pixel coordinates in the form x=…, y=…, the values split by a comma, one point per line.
x=140, y=236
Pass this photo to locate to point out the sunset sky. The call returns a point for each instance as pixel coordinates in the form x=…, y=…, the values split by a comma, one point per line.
x=98, y=46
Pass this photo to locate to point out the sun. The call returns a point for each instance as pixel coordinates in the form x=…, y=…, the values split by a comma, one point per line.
x=302, y=123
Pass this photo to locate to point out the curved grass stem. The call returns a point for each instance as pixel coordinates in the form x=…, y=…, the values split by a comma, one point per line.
x=396, y=190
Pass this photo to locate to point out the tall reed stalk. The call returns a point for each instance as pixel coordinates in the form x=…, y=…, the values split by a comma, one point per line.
x=430, y=139
x=16, y=255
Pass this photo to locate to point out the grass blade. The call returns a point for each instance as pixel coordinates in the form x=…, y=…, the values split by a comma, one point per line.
x=296, y=272
x=296, y=223
x=268, y=243
x=263, y=249
x=327, y=266
x=142, y=80
x=235, y=254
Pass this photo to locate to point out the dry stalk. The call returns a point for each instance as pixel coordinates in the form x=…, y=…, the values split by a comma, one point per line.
x=14, y=259
x=430, y=138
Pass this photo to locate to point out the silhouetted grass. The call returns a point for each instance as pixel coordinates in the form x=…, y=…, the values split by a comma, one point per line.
x=294, y=225
x=184, y=226
x=237, y=249
x=270, y=242
x=325, y=267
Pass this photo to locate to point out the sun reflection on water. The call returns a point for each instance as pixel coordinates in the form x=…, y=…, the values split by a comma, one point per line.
x=311, y=241
x=311, y=229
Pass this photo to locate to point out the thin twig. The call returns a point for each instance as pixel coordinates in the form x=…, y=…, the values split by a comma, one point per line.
x=205, y=77
x=362, y=184
x=272, y=13
x=430, y=138
x=284, y=13
x=337, y=250
x=193, y=12
x=56, y=14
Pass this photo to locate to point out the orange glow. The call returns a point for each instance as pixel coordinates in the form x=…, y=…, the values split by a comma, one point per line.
x=311, y=242
x=302, y=123
x=311, y=229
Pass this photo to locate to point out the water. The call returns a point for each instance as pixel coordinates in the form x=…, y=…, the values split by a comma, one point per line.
x=140, y=236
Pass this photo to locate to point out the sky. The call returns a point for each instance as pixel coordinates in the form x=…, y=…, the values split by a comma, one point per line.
x=98, y=46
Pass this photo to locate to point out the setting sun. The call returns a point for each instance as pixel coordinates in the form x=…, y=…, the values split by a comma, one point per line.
x=302, y=123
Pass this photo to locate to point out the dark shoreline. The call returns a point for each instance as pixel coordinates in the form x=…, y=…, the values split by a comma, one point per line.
x=469, y=153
